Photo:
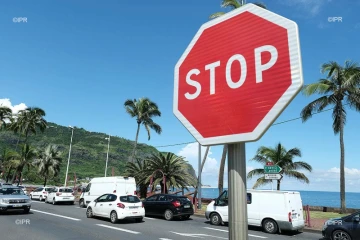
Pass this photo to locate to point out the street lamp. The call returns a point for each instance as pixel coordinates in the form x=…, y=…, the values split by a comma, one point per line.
x=107, y=155
x=67, y=168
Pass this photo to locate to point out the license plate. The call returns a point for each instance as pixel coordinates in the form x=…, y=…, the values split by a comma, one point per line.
x=187, y=206
x=17, y=206
x=133, y=207
x=65, y=198
x=134, y=212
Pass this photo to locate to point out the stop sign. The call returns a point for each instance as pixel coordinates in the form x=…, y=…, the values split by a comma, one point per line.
x=237, y=75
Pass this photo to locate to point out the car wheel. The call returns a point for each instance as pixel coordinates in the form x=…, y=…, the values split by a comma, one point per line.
x=113, y=217
x=270, y=226
x=168, y=215
x=340, y=235
x=26, y=210
x=54, y=202
x=138, y=220
x=81, y=203
x=89, y=212
x=215, y=219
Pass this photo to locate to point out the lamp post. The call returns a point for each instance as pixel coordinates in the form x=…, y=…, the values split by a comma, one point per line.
x=107, y=155
x=67, y=168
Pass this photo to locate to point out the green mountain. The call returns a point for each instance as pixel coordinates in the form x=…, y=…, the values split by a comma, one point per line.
x=88, y=152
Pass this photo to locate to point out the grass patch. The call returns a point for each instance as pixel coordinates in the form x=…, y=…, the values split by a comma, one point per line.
x=319, y=214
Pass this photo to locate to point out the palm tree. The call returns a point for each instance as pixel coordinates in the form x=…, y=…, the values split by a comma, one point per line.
x=22, y=160
x=140, y=171
x=6, y=164
x=48, y=162
x=143, y=110
x=5, y=115
x=337, y=90
x=175, y=169
x=28, y=121
x=284, y=159
x=233, y=4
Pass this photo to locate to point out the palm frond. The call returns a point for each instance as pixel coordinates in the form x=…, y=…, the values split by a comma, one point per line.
x=261, y=182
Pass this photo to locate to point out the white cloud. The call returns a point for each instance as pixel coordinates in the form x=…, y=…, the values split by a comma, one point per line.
x=15, y=108
x=311, y=7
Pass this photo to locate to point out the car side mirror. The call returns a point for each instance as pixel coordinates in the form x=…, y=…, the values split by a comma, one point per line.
x=356, y=219
x=95, y=200
x=216, y=202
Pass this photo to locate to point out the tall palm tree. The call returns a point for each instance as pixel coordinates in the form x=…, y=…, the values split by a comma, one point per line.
x=232, y=4
x=140, y=171
x=6, y=164
x=143, y=110
x=337, y=90
x=175, y=169
x=5, y=115
x=48, y=162
x=22, y=160
x=28, y=121
x=284, y=159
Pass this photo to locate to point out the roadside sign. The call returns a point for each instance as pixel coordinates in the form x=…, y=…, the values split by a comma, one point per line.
x=269, y=163
x=237, y=75
x=273, y=176
x=272, y=169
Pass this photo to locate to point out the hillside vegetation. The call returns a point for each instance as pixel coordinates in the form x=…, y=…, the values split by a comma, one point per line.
x=88, y=153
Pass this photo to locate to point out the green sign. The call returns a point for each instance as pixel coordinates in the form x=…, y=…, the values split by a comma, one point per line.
x=272, y=169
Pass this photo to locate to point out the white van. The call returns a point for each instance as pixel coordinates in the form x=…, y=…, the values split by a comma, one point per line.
x=272, y=210
x=103, y=185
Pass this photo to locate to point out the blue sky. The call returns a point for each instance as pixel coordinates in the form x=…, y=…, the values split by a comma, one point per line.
x=80, y=60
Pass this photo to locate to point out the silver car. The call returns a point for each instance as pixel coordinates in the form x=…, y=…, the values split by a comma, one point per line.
x=14, y=198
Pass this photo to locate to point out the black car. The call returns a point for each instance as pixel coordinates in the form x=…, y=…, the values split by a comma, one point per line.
x=168, y=206
x=343, y=228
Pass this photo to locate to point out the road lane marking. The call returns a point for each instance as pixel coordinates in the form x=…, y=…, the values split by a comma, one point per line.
x=36, y=202
x=165, y=239
x=197, y=235
x=119, y=229
x=56, y=215
x=81, y=208
x=149, y=218
x=222, y=230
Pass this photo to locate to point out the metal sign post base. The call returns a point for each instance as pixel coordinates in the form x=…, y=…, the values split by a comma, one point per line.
x=238, y=217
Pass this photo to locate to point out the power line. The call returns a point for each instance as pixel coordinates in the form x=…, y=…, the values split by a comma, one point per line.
x=286, y=121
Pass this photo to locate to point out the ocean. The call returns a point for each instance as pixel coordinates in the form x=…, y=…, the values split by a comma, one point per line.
x=311, y=198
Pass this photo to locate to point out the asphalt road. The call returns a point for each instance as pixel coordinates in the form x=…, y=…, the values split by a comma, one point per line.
x=67, y=222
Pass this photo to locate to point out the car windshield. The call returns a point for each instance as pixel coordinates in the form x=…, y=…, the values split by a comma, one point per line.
x=129, y=199
x=67, y=190
x=11, y=191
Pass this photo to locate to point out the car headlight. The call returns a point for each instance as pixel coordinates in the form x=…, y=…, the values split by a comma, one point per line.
x=27, y=200
x=5, y=200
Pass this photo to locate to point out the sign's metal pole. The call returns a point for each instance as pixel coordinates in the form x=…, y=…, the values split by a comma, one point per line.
x=238, y=216
x=199, y=176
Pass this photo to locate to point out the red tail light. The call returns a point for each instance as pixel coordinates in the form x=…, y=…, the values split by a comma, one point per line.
x=120, y=205
x=44, y=192
x=135, y=193
x=142, y=205
x=176, y=204
x=114, y=191
x=73, y=194
x=290, y=220
x=58, y=193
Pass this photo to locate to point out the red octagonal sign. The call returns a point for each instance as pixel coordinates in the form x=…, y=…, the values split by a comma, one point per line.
x=237, y=75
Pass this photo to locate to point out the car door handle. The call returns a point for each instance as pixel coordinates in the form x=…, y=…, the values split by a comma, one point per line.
x=100, y=204
x=110, y=204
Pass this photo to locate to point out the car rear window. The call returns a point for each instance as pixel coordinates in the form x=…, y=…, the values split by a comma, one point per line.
x=183, y=199
x=67, y=190
x=48, y=189
x=129, y=199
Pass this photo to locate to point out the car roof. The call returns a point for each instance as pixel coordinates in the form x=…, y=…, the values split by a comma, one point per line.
x=10, y=186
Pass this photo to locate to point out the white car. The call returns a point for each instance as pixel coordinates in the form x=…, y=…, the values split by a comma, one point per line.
x=60, y=194
x=40, y=193
x=116, y=207
x=24, y=189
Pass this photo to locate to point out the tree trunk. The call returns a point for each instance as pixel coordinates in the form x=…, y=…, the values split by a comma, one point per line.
x=221, y=170
x=20, y=176
x=136, y=139
x=278, y=185
x=14, y=175
x=45, y=181
x=8, y=174
x=342, y=168
x=201, y=168
x=18, y=142
x=162, y=187
x=143, y=190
